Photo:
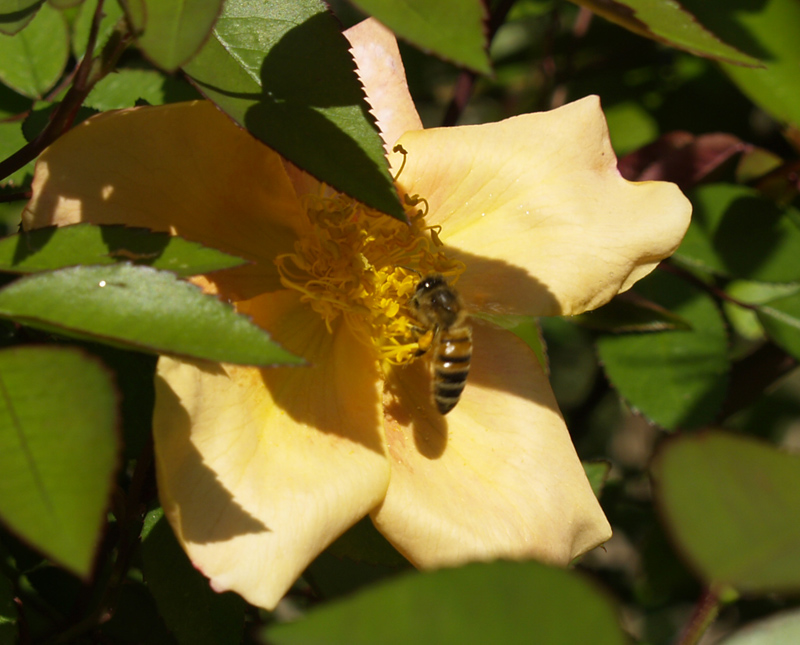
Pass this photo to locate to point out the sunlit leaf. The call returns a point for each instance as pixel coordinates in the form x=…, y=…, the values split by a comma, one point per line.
x=32, y=61
x=15, y=15
x=58, y=450
x=430, y=26
x=170, y=32
x=140, y=308
x=109, y=19
x=281, y=69
x=46, y=249
x=781, y=320
x=745, y=319
x=125, y=87
x=736, y=232
x=478, y=603
x=731, y=504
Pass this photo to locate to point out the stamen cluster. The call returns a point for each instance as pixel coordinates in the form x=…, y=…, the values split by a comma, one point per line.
x=363, y=265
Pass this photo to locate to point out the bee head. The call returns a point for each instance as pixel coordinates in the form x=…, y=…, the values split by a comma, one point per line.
x=430, y=282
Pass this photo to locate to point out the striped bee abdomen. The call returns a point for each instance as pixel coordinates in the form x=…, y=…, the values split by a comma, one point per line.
x=451, y=362
x=440, y=311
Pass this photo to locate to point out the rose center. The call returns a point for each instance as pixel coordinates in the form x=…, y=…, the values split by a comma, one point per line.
x=363, y=265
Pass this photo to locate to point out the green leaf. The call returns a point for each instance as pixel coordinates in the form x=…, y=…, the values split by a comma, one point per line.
x=668, y=22
x=768, y=30
x=50, y=248
x=11, y=140
x=735, y=232
x=58, y=450
x=778, y=629
x=478, y=603
x=280, y=69
x=194, y=612
x=631, y=312
x=170, y=32
x=15, y=15
x=731, y=503
x=12, y=104
x=112, y=15
x=141, y=308
x=597, y=474
x=32, y=61
x=363, y=543
x=525, y=327
x=125, y=87
x=8, y=612
x=430, y=26
x=745, y=320
x=65, y=4
x=781, y=320
x=135, y=618
x=675, y=378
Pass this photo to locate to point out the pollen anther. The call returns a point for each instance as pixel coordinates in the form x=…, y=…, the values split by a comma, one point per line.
x=356, y=263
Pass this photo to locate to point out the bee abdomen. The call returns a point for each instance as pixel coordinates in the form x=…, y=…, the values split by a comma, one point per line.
x=451, y=367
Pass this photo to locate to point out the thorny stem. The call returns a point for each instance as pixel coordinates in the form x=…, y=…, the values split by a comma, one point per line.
x=703, y=615
x=89, y=72
x=130, y=519
x=714, y=290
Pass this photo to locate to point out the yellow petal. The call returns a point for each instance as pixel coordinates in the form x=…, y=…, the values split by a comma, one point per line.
x=184, y=168
x=259, y=470
x=384, y=78
x=536, y=208
x=497, y=477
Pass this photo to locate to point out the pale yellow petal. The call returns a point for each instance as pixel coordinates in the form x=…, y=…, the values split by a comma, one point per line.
x=497, y=477
x=184, y=168
x=381, y=71
x=536, y=208
x=259, y=470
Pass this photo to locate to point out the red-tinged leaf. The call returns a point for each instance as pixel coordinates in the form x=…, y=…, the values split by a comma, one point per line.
x=681, y=158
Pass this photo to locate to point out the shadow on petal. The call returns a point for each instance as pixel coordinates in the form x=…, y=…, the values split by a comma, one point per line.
x=408, y=401
x=507, y=482
x=337, y=393
x=219, y=518
x=497, y=287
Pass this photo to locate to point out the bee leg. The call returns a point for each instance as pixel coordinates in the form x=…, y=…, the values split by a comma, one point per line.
x=425, y=341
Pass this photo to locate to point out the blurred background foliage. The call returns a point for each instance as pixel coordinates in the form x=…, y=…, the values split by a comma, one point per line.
x=682, y=396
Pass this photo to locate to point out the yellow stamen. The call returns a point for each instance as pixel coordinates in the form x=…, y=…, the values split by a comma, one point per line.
x=363, y=265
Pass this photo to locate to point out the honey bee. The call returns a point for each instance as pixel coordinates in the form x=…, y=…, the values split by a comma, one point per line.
x=439, y=309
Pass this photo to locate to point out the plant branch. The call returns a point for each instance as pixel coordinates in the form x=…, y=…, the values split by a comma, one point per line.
x=703, y=615
x=89, y=72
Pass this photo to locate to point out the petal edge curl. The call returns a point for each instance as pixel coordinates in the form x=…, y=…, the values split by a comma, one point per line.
x=537, y=209
x=497, y=478
x=259, y=470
